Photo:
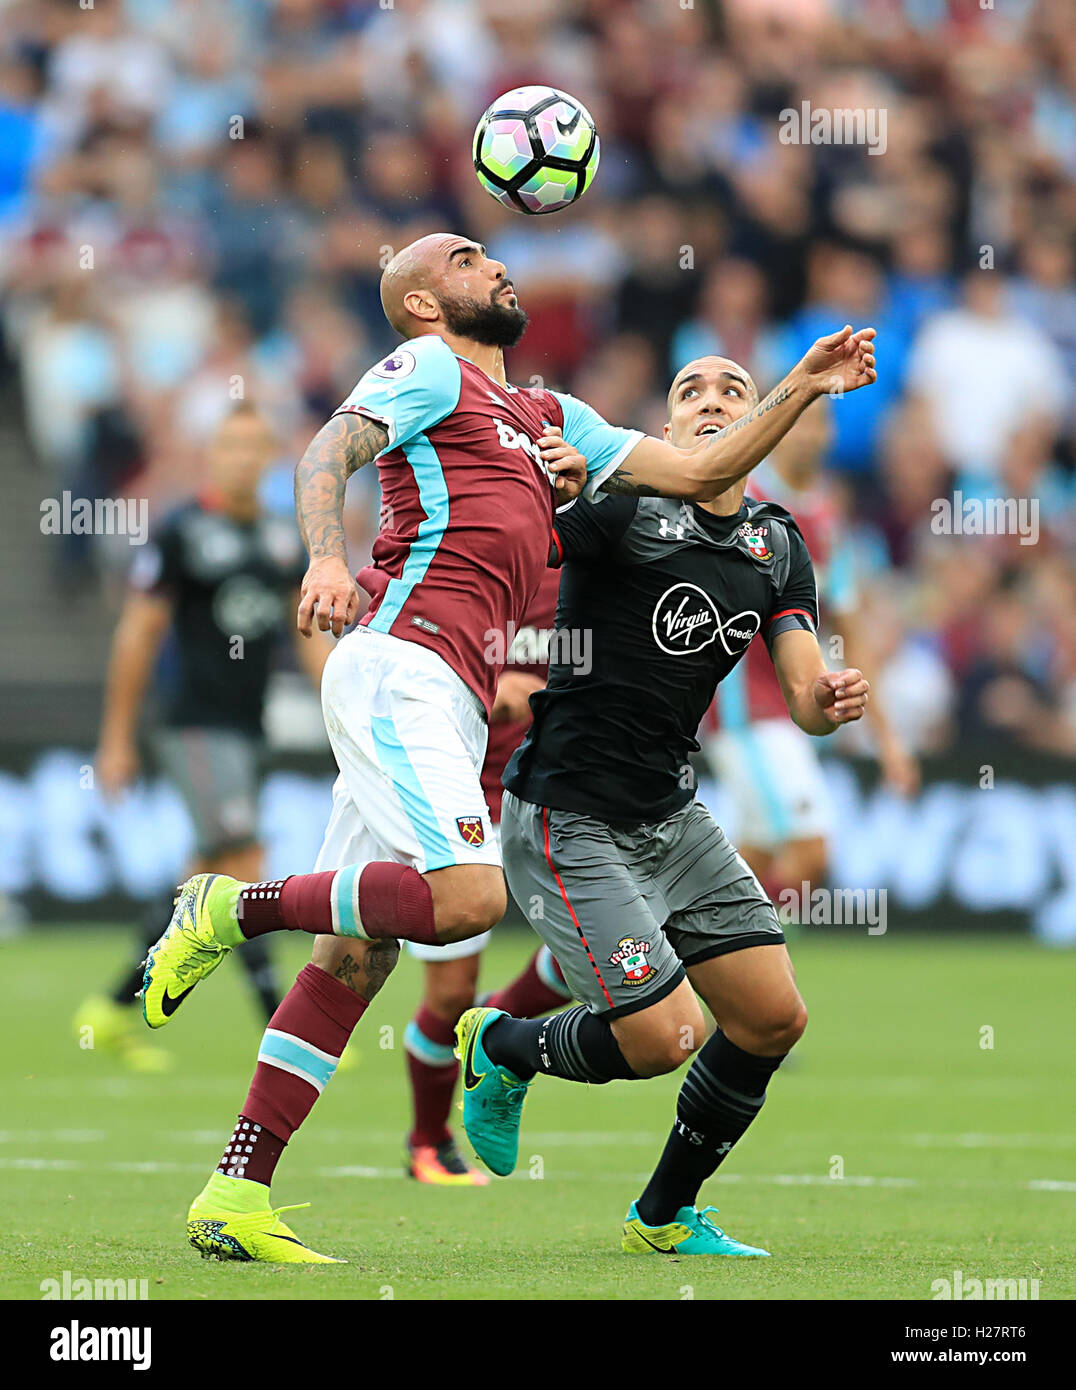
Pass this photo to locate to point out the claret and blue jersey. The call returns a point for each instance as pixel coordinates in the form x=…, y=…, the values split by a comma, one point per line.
x=467, y=504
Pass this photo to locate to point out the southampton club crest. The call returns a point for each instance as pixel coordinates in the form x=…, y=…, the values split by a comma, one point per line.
x=472, y=830
x=754, y=537
x=630, y=955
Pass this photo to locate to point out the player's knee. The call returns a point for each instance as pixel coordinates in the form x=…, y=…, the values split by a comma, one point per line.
x=797, y=1023
x=686, y=1034
x=480, y=913
x=667, y=1045
x=329, y=952
x=363, y=966
x=782, y=1027
x=474, y=912
x=656, y=1057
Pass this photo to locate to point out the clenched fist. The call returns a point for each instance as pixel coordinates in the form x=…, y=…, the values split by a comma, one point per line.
x=329, y=595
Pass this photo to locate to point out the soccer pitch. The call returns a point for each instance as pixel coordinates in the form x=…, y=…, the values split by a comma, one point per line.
x=956, y=1156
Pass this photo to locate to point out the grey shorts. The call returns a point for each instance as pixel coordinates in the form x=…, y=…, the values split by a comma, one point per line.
x=217, y=772
x=625, y=910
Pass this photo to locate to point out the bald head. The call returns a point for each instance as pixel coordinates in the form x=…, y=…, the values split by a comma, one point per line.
x=446, y=284
x=708, y=370
x=417, y=267
x=707, y=394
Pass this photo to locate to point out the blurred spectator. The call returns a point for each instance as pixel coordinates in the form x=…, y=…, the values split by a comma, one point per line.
x=913, y=473
x=1044, y=295
x=22, y=134
x=105, y=64
x=846, y=285
x=733, y=322
x=66, y=350
x=915, y=681
x=984, y=373
x=658, y=288
x=920, y=284
x=197, y=198
x=1005, y=694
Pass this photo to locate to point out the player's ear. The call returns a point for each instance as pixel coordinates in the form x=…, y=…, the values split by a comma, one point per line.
x=422, y=305
x=666, y=430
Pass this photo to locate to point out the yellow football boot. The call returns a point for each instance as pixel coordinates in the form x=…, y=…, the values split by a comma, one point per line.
x=203, y=929
x=231, y=1219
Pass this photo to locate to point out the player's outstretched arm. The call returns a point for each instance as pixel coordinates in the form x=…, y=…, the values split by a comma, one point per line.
x=841, y=362
x=340, y=447
x=818, y=700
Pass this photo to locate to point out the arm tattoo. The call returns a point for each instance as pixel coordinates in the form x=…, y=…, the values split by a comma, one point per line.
x=622, y=483
x=775, y=398
x=375, y=963
x=347, y=970
x=341, y=446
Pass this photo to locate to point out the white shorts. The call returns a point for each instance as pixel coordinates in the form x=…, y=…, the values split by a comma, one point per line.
x=775, y=782
x=409, y=739
x=457, y=950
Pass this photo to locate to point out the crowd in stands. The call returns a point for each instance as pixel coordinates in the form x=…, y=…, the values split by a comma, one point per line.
x=197, y=198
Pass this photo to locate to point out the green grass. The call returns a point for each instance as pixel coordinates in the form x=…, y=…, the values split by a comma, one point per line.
x=942, y=1143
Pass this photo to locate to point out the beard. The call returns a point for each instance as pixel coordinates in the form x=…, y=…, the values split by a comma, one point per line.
x=492, y=324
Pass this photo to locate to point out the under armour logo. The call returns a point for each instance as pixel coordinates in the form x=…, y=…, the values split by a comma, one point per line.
x=669, y=530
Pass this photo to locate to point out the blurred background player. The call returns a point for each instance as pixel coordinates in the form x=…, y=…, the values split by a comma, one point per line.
x=769, y=768
x=219, y=578
x=451, y=972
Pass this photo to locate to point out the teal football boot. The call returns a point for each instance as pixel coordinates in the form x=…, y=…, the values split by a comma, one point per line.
x=492, y=1096
x=691, y=1232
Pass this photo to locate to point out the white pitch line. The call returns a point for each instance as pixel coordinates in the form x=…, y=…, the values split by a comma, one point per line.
x=824, y=1180
x=539, y=1139
x=60, y=1164
x=52, y=1136
x=991, y=1141
x=776, y=1179
x=72, y=1165
x=767, y=1179
x=549, y=1139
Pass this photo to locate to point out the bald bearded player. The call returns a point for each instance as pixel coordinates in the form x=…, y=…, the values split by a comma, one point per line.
x=471, y=469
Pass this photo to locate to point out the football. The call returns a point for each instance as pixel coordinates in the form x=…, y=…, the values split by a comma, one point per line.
x=536, y=150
